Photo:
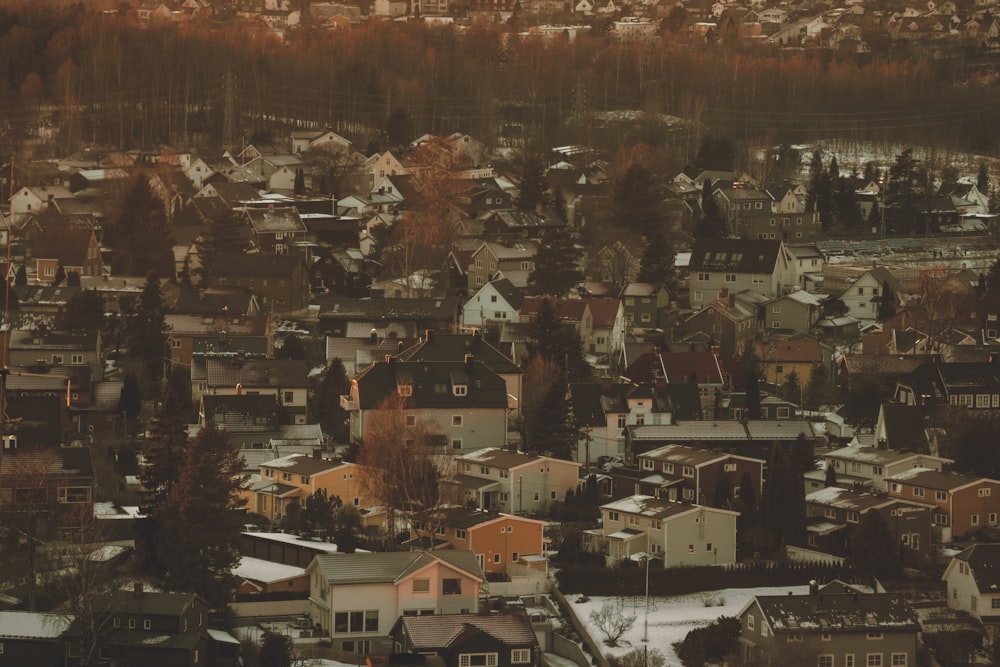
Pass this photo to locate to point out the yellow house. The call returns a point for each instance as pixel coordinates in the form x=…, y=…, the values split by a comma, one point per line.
x=291, y=479
x=778, y=358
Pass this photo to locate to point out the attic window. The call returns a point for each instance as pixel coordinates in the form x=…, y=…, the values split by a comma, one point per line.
x=404, y=389
x=460, y=389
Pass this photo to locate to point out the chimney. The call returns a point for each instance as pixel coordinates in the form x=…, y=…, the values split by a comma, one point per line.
x=137, y=588
x=813, y=587
x=469, y=360
x=317, y=454
x=373, y=336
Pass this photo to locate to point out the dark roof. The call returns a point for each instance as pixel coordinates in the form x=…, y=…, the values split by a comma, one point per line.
x=257, y=265
x=984, y=560
x=237, y=413
x=905, y=426
x=59, y=461
x=464, y=517
x=506, y=289
x=389, y=567
x=876, y=612
x=146, y=602
x=423, y=308
x=736, y=255
x=427, y=633
x=453, y=347
x=941, y=380
x=255, y=372
x=69, y=245
x=212, y=301
x=433, y=383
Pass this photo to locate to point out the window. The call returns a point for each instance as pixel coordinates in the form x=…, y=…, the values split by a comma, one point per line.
x=849, y=660
x=421, y=585
x=898, y=660
x=688, y=471
x=730, y=277
x=729, y=467
x=993, y=518
x=456, y=420
x=405, y=389
x=874, y=660
x=895, y=487
x=303, y=479
x=74, y=494
x=131, y=624
x=622, y=421
x=537, y=496
x=690, y=548
x=411, y=420
x=918, y=492
x=982, y=400
x=460, y=390
x=460, y=534
x=520, y=656
x=57, y=358
x=758, y=280
x=118, y=622
x=750, y=621
x=793, y=637
x=984, y=493
x=147, y=624
x=704, y=277
x=825, y=636
x=941, y=519
x=451, y=586
x=974, y=519
x=825, y=660
x=974, y=603
x=647, y=464
x=552, y=495
x=76, y=358
x=776, y=310
x=852, y=517
x=830, y=512
x=477, y=660
x=456, y=443
x=940, y=496
x=874, y=635
x=877, y=471
x=995, y=603
x=782, y=413
x=355, y=621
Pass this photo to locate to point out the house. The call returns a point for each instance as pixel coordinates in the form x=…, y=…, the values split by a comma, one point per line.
x=750, y=438
x=644, y=303
x=713, y=371
x=963, y=504
x=869, y=467
x=736, y=264
x=463, y=404
x=832, y=514
x=865, y=294
x=795, y=313
x=292, y=479
x=32, y=638
x=516, y=261
x=217, y=333
x=251, y=420
x=285, y=379
x=32, y=199
x=75, y=250
x=603, y=410
x=828, y=629
x=495, y=302
x=260, y=577
x=781, y=358
x=500, y=541
x=356, y=599
x=495, y=478
x=728, y=322
x=281, y=282
x=504, y=639
x=734, y=406
x=599, y=322
x=58, y=348
x=904, y=427
x=277, y=230
x=153, y=628
x=328, y=140
x=453, y=347
x=973, y=586
x=388, y=317
x=969, y=384
x=806, y=265
x=681, y=534
x=687, y=474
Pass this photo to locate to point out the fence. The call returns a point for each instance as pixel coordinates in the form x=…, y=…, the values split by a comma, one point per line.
x=595, y=651
x=269, y=608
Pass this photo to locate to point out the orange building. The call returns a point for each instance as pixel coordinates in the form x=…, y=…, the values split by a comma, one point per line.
x=291, y=479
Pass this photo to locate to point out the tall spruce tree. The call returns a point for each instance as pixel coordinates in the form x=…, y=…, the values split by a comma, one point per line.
x=139, y=232
x=146, y=328
x=557, y=342
x=556, y=271
x=873, y=551
x=164, y=449
x=534, y=190
x=657, y=263
x=637, y=201
x=200, y=523
x=712, y=223
x=227, y=234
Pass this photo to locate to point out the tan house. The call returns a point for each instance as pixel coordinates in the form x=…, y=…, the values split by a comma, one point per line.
x=291, y=479
x=781, y=358
x=513, y=481
x=963, y=504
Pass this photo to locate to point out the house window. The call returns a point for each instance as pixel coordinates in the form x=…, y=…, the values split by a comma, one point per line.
x=729, y=467
x=76, y=358
x=758, y=280
x=782, y=413
x=514, y=556
x=50, y=270
x=984, y=493
x=974, y=603
x=974, y=519
x=57, y=358
x=825, y=636
x=849, y=660
x=421, y=585
x=993, y=518
x=460, y=533
x=647, y=464
x=895, y=487
x=451, y=586
x=898, y=660
x=477, y=660
x=825, y=660
x=704, y=277
x=405, y=389
x=690, y=548
x=874, y=635
x=749, y=621
x=830, y=513
x=612, y=516
x=852, y=517
x=622, y=420
x=496, y=559
x=456, y=420
x=995, y=603
x=289, y=397
x=460, y=390
x=456, y=443
x=730, y=277
x=941, y=519
x=131, y=624
x=411, y=420
x=74, y=494
x=147, y=624
x=537, y=496
x=355, y=621
x=982, y=400
x=918, y=492
x=776, y=310
x=877, y=471
x=520, y=656
x=688, y=471
x=794, y=637
x=698, y=295
x=874, y=660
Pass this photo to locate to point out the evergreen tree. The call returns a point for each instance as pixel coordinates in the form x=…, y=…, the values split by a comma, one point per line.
x=534, y=189
x=637, y=202
x=291, y=348
x=139, y=232
x=983, y=179
x=753, y=396
x=399, y=128
x=348, y=526
x=164, y=450
x=834, y=169
x=276, y=650
x=60, y=275
x=555, y=269
x=819, y=190
x=722, y=494
x=873, y=549
x=228, y=234
x=549, y=424
x=200, y=524
x=325, y=404
x=657, y=263
x=748, y=494
x=84, y=311
x=72, y=279
x=21, y=277
x=559, y=203
x=712, y=223
x=556, y=342
x=816, y=389
x=784, y=502
x=803, y=453
x=886, y=302
x=318, y=513
x=831, y=476
x=146, y=339
x=299, y=184
x=130, y=401
x=792, y=389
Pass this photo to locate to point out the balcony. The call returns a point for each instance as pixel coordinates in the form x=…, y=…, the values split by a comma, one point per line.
x=348, y=403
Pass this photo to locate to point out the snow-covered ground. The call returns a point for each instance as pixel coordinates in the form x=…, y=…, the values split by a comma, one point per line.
x=671, y=618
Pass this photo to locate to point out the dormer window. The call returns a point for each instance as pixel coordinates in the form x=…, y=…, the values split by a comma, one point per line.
x=404, y=389
x=460, y=389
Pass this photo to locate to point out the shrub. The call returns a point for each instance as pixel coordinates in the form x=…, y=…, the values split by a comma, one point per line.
x=709, y=644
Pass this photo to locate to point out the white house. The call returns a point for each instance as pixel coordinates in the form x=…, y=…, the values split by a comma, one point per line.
x=973, y=586
x=863, y=296
x=355, y=599
x=497, y=301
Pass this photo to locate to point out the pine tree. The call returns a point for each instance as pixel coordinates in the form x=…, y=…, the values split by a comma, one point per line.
x=399, y=128
x=228, y=234
x=60, y=275
x=555, y=271
x=291, y=348
x=299, y=185
x=712, y=223
x=637, y=202
x=84, y=312
x=549, y=425
x=657, y=263
x=873, y=549
x=139, y=232
x=983, y=179
x=831, y=476
x=886, y=302
x=816, y=389
x=722, y=494
x=792, y=389
x=130, y=401
x=164, y=450
x=200, y=524
x=556, y=342
x=534, y=189
x=753, y=396
x=146, y=339
x=21, y=277
x=276, y=650
x=325, y=404
x=318, y=513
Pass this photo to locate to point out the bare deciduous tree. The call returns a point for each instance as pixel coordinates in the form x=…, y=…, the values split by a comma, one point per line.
x=610, y=620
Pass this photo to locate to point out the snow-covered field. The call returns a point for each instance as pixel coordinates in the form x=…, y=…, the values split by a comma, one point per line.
x=671, y=618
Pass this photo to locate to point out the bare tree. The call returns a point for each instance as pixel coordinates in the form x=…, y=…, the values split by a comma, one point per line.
x=610, y=620
x=936, y=305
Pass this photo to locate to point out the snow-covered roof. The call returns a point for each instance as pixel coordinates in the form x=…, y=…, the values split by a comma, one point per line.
x=265, y=571
x=32, y=625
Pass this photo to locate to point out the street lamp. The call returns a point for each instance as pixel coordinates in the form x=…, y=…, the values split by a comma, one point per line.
x=645, y=620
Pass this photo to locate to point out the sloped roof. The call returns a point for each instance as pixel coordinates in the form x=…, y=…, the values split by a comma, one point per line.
x=278, y=219
x=504, y=458
x=32, y=625
x=389, y=567
x=438, y=346
x=837, y=613
x=433, y=383
x=302, y=464
x=935, y=479
x=983, y=559
x=430, y=632
x=257, y=265
x=255, y=372
x=736, y=255
x=604, y=311
x=69, y=245
x=658, y=508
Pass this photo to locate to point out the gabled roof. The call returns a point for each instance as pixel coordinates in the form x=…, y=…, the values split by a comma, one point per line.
x=390, y=567
x=69, y=245
x=421, y=308
x=433, y=384
x=440, y=631
x=874, y=612
x=690, y=456
x=790, y=351
x=848, y=499
x=506, y=289
x=983, y=560
x=283, y=219
x=604, y=312
x=876, y=455
x=657, y=508
x=937, y=479
x=508, y=460
x=147, y=602
x=255, y=372
x=32, y=625
x=438, y=346
x=736, y=255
